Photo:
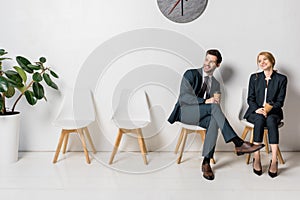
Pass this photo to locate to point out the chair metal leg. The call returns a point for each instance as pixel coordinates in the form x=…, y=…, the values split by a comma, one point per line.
x=179, y=141
x=80, y=132
x=61, y=138
x=182, y=146
x=86, y=130
x=117, y=143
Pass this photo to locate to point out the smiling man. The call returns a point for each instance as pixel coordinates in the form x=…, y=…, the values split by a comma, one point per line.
x=197, y=106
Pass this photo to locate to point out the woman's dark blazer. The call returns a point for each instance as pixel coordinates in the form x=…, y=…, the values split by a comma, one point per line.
x=275, y=95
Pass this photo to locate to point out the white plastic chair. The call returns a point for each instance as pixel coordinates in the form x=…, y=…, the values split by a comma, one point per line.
x=130, y=116
x=249, y=128
x=75, y=114
x=185, y=130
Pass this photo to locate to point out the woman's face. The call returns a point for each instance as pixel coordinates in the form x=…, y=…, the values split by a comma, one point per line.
x=264, y=63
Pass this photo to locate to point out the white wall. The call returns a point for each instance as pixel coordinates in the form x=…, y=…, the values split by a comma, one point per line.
x=68, y=31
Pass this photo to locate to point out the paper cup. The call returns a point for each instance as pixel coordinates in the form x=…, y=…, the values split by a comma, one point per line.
x=217, y=96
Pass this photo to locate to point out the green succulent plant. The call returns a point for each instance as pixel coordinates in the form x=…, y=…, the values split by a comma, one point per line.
x=26, y=79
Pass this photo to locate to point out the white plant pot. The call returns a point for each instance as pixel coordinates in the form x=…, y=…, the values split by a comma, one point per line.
x=9, y=138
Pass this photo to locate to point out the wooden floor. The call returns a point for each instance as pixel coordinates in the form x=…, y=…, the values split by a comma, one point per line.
x=35, y=177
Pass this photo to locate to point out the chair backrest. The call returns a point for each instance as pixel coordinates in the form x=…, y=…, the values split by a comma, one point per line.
x=76, y=105
x=244, y=104
x=132, y=106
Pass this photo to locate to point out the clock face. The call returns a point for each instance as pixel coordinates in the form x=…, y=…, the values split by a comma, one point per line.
x=182, y=11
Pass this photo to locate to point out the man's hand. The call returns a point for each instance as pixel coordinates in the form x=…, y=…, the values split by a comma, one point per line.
x=211, y=100
x=261, y=111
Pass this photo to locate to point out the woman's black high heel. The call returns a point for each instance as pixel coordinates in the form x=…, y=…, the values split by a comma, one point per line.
x=273, y=174
x=257, y=172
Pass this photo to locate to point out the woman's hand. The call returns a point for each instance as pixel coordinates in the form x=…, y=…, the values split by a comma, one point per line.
x=261, y=111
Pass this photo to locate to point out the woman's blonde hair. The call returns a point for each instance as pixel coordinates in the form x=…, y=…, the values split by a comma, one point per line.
x=268, y=55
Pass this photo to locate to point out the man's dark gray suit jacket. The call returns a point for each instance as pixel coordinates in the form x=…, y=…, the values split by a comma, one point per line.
x=186, y=109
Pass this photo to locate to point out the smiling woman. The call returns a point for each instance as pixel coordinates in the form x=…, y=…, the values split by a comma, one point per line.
x=182, y=11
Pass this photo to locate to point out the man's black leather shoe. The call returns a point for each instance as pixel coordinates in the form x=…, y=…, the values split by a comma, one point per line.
x=248, y=147
x=207, y=171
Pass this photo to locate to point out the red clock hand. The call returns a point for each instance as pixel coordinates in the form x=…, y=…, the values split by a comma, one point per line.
x=177, y=2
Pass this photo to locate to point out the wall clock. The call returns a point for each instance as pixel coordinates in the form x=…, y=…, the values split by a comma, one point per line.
x=182, y=11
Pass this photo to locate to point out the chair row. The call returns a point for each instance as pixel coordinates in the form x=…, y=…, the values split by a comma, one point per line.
x=130, y=116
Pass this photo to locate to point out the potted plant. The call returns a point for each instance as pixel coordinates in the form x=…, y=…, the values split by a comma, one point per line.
x=25, y=80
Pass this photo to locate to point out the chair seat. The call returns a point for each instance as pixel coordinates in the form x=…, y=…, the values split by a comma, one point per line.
x=128, y=124
x=246, y=123
x=191, y=127
x=249, y=124
x=72, y=124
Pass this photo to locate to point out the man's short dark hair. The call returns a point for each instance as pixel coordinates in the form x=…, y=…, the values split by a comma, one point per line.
x=216, y=53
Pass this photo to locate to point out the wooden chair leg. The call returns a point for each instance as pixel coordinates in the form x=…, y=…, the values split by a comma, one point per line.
x=86, y=130
x=249, y=155
x=66, y=139
x=280, y=156
x=142, y=145
x=143, y=141
x=179, y=141
x=212, y=160
x=117, y=143
x=245, y=132
x=182, y=146
x=202, y=134
x=80, y=132
x=61, y=138
x=266, y=141
x=244, y=135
